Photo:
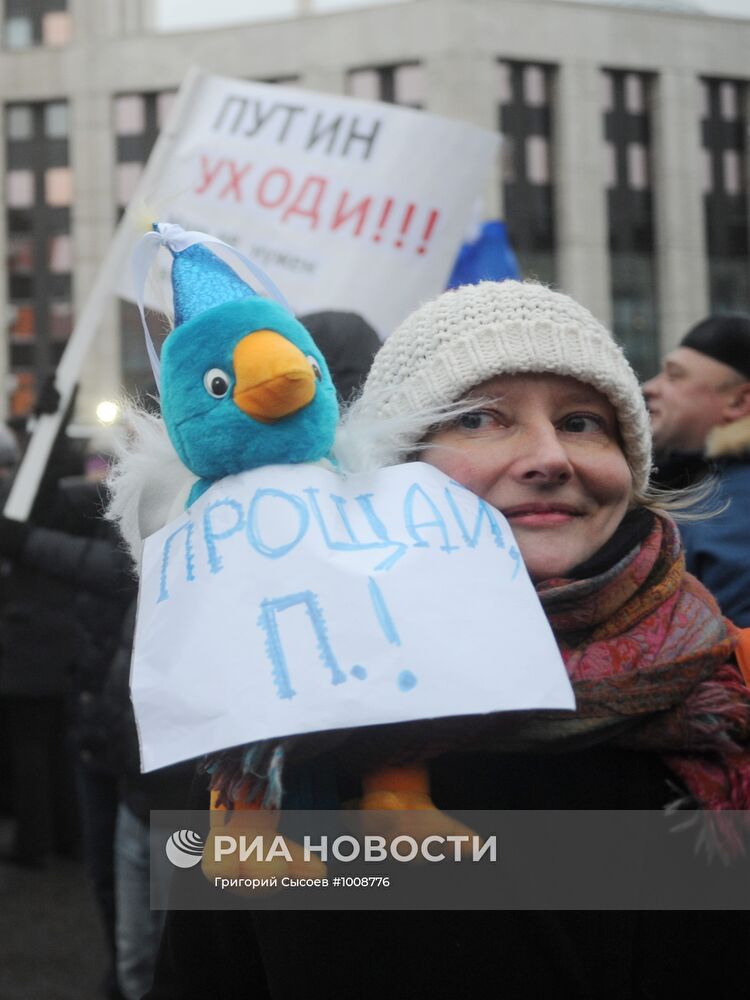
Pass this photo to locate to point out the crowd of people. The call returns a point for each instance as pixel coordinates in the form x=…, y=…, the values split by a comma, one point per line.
x=67, y=621
x=627, y=504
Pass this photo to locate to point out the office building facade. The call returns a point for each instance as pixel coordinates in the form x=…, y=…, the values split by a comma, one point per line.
x=623, y=178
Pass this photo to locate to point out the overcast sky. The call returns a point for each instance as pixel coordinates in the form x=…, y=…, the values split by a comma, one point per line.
x=177, y=14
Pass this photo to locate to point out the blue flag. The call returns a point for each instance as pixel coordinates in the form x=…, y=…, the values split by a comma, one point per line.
x=489, y=258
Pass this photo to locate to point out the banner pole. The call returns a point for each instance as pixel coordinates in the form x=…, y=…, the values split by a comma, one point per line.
x=29, y=475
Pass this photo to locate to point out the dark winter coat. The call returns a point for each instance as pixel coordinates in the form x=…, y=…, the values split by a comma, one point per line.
x=515, y=955
x=37, y=625
x=111, y=738
x=718, y=549
x=69, y=640
x=37, y=634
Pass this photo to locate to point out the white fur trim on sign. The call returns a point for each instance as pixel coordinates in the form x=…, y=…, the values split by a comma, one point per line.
x=149, y=485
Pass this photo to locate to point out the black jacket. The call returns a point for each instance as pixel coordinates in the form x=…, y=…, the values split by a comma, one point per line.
x=110, y=738
x=67, y=593
x=516, y=955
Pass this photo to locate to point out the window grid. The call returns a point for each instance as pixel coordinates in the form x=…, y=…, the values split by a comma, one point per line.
x=525, y=120
x=39, y=192
x=723, y=137
x=630, y=216
x=401, y=84
x=36, y=22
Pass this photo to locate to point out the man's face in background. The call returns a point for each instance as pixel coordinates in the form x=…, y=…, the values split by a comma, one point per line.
x=689, y=397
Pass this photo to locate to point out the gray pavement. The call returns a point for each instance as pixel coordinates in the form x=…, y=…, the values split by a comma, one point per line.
x=51, y=944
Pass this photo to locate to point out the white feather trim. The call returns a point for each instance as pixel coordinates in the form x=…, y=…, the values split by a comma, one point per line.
x=149, y=485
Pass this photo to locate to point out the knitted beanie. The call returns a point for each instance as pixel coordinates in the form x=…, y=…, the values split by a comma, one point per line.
x=466, y=336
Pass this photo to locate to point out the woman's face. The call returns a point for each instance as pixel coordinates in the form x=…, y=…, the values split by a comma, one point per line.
x=545, y=452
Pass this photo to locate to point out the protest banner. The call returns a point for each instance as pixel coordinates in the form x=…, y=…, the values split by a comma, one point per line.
x=290, y=600
x=347, y=204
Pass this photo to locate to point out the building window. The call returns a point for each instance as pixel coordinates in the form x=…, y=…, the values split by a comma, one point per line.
x=19, y=122
x=627, y=133
x=402, y=84
x=36, y=22
x=19, y=33
x=130, y=114
x=724, y=125
x=56, y=120
x=58, y=186
x=19, y=188
x=39, y=192
x=60, y=254
x=525, y=91
x=137, y=118
x=56, y=28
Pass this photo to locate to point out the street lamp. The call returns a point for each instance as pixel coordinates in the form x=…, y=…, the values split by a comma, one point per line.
x=107, y=412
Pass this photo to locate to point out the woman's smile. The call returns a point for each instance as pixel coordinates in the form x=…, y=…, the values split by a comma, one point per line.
x=541, y=515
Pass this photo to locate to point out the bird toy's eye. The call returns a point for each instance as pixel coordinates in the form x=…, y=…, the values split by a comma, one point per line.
x=216, y=383
x=315, y=367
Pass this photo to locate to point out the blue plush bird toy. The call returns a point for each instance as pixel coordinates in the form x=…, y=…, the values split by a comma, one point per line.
x=242, y=383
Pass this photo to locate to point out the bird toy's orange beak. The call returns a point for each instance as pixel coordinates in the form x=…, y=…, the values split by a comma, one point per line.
x=273, y=377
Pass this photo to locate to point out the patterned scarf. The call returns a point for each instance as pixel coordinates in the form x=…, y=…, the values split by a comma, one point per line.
x=646, y=648
x=651, y=662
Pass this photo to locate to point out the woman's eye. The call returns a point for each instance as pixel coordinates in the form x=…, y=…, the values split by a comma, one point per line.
x=583, y=423
x=474, y=421
x=216, y=383
x=315, y=367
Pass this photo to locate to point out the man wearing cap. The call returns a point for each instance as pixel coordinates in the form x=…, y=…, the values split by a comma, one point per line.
x=700, y=416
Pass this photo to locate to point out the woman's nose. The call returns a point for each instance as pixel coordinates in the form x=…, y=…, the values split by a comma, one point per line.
x=542, y=457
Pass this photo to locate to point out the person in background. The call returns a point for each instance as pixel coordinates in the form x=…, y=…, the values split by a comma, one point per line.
x=112, y=737
x=348, y=343
x=700, y=415
x=63, y=627
x=38, y=644
x=114, y=797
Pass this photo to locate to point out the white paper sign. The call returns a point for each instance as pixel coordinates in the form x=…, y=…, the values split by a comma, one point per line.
x=348, y=204
x=290, y=599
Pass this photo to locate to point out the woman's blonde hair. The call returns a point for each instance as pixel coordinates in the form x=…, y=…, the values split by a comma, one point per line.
x=698, y=502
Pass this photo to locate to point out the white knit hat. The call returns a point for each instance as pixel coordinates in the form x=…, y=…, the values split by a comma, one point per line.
x=466, y=336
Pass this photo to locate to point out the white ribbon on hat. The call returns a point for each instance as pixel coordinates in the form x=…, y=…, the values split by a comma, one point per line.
x=176, y=239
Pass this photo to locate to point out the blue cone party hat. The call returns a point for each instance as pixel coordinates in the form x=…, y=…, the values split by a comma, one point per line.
x=201, y=280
